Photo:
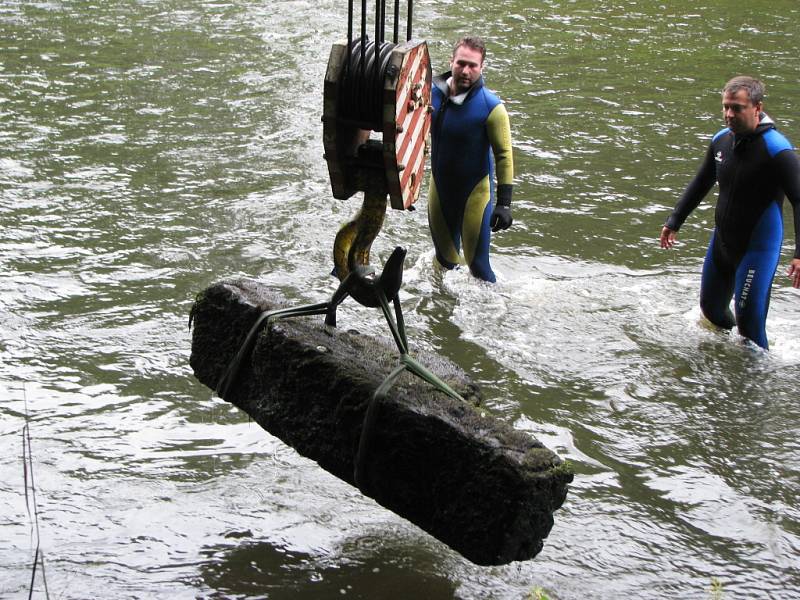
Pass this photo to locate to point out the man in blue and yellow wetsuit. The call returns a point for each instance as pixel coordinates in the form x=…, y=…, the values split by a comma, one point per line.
x=755, y=167
x=471, y=141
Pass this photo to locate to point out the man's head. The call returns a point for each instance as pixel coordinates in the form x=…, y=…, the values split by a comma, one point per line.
x=467, y=63
x=742, y=102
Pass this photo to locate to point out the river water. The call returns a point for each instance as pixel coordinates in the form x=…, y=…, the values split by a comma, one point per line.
x=150, y=148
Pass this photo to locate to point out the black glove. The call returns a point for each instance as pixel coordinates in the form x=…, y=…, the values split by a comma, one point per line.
x=501, y=215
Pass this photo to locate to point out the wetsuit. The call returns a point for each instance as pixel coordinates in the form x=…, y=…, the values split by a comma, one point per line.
x=469, y=133
x=754, y=173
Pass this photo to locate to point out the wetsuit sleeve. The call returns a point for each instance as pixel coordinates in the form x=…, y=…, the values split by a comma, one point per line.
x=499, y=130
x=695, y=192
x=789, y=173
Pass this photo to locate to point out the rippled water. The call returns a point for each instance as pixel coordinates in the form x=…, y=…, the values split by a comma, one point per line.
x=152, y=148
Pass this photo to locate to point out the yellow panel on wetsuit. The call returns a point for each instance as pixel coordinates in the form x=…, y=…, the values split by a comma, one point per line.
x=445, y=244
x=499, y=130
x=474, y=214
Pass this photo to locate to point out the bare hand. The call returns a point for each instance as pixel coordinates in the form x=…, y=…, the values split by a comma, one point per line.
x=668, y=238
x=794, y=272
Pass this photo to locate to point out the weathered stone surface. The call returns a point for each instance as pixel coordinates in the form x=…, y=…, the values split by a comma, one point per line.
x=472, y=481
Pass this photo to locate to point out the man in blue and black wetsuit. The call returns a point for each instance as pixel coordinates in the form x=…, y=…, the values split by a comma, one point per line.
x=471, y=141
x=755, y=167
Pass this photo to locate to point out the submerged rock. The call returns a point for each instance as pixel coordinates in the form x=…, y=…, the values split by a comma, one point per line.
x=472, y=481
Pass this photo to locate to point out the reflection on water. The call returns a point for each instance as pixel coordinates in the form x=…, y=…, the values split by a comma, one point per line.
x=362, y=569
x=150, y=149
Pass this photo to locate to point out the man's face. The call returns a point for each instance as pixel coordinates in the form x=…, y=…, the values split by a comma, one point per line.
x=466, y=66
x=740, y=115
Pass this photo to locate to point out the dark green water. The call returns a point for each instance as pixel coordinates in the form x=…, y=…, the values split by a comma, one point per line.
x=151, y=148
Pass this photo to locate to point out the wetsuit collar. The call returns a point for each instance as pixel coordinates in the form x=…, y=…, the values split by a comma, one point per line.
x=443, y=83
x=765, y=123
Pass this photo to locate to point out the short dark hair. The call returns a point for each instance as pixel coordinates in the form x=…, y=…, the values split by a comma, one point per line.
x=753, y=87
x=473, y=42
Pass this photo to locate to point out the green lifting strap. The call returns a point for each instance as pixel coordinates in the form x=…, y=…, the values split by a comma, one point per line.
x=226, y=382
x=397, y=328
x=406, y=363
x=399, y=333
